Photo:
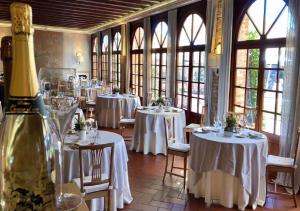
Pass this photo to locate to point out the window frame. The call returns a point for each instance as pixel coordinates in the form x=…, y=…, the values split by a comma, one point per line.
x=116, y=62
x=140, y=53
x=104, y=60
x=262, y=44
x=199, y=9
x=94, y=55
x=161, y=51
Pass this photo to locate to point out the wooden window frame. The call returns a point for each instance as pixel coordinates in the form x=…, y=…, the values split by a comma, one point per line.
x=198, y=8
x=240, y=9
x=161, y=51
x=94, y=57
x=104, y=61
x=139, y=64
x=116, y=60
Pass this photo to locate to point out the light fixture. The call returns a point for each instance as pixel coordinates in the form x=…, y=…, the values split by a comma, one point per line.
x=79, y=57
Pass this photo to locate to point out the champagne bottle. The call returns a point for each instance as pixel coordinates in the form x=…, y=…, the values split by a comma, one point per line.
x=26, y=150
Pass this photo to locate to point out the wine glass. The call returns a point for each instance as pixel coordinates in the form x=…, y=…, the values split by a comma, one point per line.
x=61, y=105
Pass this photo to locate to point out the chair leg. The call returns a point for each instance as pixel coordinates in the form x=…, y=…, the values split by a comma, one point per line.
x=166, y=169
x=109, y=207
x=293, y=190
x=184, y=175
x=267, y=175
x=172, y=166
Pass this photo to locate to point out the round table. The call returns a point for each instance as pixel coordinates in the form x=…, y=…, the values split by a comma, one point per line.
x=110, y=108
x=121, y=182
x=228, y=170
x=149, y=129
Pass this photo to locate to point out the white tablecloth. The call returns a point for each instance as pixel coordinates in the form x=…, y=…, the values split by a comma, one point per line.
x=149, y=130
x=110, y=108
x=121, y=182
x=228, y=170
x=92, y=93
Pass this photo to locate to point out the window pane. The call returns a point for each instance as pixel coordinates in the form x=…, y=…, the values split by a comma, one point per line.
x=201, y=104
x=238, y=109
x=195, y=74
x=239, y=96
x=252, y=79
x=272, y=11
x=194, y=105
x=202, y=75
x=279, y=102
x=185, y=102
x=163, y=71
x=186, y=74
x=240, y=77
x=186, y=58
x=251, y=98
x=282, y=58
x=185, y=88
x=201, y=91
x=164, y=59
x=241, y=58
x=270, y=81
x=269, y=101
x=200, y=39
x=203, y=59
x=253, y=58
x=271, y=57
x=180, y=58
x=179, y=73
x=179, y=98
x=196, y=58
x=280, y=28
x=268, y=122
x=247, y=30
x=278, y=124
x=179, y=87
x=256, y=12
x=194, y=89
x=281, y=77
x=183, y=38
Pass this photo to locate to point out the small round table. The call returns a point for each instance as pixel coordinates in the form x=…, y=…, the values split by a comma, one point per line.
x=149, y=129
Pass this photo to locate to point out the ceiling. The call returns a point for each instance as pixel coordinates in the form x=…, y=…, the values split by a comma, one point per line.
x=81, y=14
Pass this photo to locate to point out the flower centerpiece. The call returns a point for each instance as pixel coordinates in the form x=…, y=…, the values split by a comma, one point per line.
x=230, y=125
x=116, y=90
x=160, y=102
x=80, y=127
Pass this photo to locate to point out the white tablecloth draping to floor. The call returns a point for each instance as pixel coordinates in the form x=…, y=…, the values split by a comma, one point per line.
x=149, y=130
x=121, y=183
x=228, y=170
x=110, y=108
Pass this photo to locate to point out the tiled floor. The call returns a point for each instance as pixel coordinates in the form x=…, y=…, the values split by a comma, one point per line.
x=145, y=175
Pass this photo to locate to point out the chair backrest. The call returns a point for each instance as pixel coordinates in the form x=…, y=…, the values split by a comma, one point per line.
x=296, y=147
x=203, y=115
x=169, y=129
x=97, y=165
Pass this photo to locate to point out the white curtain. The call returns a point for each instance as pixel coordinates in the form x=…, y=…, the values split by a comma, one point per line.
x=290, y=119
x=225, y=66
x=210, y=21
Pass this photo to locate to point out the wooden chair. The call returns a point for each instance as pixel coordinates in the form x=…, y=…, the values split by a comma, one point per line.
x=127, y=123
x=189, y=128
x=284, y=165
x=98, y=184
x=175, y=149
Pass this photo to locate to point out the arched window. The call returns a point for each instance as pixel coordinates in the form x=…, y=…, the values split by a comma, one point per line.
x=190, y=80
x=104, y=59
x=116, y=74
x=159, y=60
x=94, y=56
x=258, y=64
x=136, y=79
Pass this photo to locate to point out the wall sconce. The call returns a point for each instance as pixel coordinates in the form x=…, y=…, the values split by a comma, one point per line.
x=79, y=57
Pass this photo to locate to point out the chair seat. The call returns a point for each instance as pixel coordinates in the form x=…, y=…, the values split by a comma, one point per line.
x=273, y=160
x=192, y=126
x=127, y=121
x=179, y=147
x=92, y=188
x=91, y=103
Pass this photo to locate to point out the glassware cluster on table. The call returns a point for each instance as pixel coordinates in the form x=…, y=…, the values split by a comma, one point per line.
x=60, y=91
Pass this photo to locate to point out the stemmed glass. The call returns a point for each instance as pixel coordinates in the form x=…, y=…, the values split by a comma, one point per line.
x=61, y=110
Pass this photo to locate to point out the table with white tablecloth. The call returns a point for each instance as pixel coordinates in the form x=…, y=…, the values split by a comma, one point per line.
x=110, y=108
x=122, y=192
x=228, y=170
x=149, y=129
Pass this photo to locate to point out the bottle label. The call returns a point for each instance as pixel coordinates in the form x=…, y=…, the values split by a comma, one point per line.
x=29, y=105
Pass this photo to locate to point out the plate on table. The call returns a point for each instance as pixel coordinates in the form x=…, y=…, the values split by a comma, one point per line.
x=200, y=130
x=255, y=135
x=240, y=135
x=210, y=129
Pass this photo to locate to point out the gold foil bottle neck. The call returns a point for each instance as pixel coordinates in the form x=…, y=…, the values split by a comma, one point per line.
x=24, y=81
x=21, y=18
